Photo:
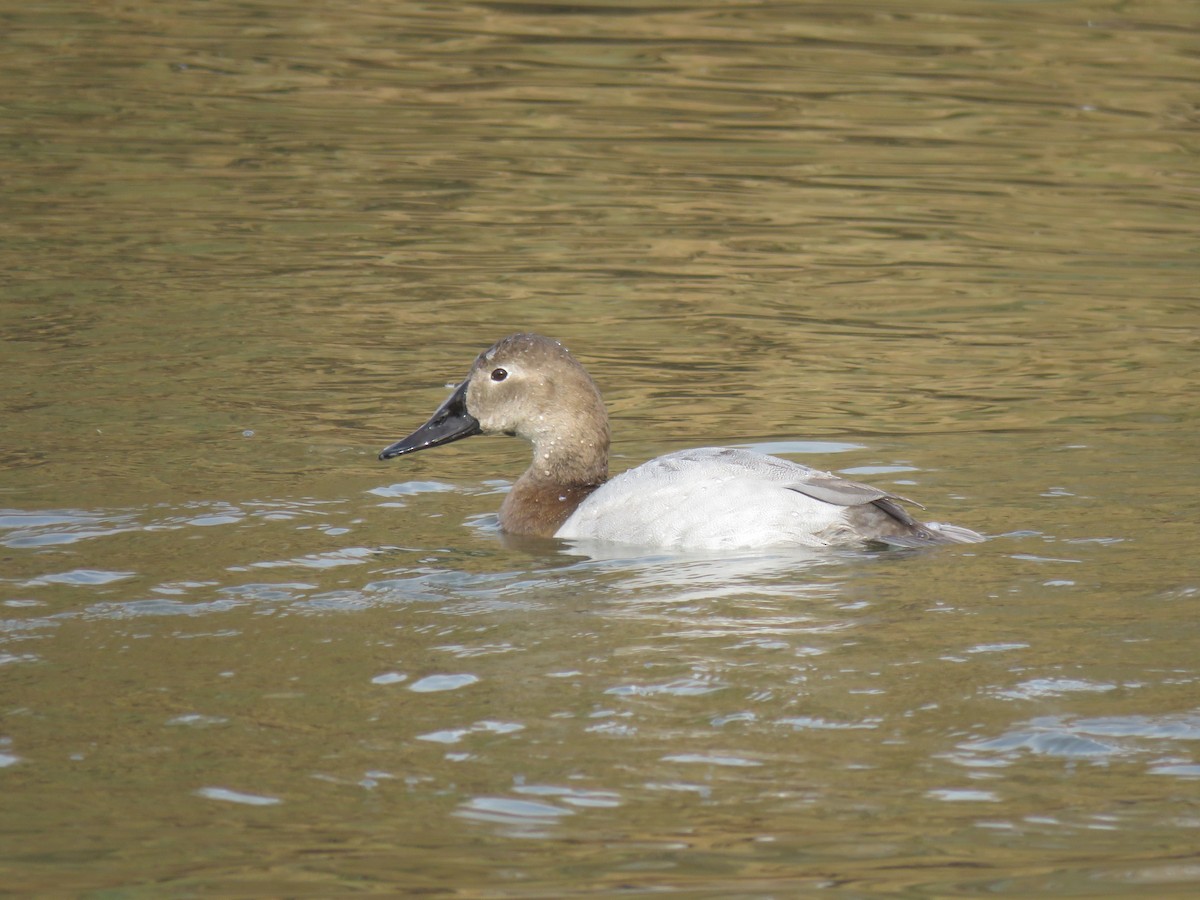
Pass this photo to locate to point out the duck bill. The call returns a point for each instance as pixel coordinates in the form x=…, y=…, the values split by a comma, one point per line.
x=451, y=422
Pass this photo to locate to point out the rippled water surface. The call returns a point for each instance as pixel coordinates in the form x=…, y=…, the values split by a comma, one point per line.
x=947, y=248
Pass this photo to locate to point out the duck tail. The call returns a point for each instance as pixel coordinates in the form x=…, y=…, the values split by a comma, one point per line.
x=927, y=534
x=955, y=534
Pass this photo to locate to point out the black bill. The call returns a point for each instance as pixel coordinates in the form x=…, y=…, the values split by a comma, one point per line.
x=451, y=422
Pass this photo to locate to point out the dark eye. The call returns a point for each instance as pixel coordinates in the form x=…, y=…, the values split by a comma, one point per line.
x=499, y=374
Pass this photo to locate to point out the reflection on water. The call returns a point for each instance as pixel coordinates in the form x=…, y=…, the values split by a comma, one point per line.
x=949, y=250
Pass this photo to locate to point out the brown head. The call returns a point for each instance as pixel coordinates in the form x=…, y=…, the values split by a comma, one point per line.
x=528, y=386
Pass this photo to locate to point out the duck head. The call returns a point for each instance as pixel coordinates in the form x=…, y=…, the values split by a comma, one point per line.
x=526, y=386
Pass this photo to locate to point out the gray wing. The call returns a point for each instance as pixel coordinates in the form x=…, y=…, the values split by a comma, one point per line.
x=868, y=502
x=829, y=488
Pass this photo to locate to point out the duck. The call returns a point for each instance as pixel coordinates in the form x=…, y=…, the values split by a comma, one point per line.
x=702, y=499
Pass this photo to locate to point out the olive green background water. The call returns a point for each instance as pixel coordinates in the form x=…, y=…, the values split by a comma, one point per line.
x=948, y=248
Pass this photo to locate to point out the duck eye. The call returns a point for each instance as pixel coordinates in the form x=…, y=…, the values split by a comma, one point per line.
x=499, y=374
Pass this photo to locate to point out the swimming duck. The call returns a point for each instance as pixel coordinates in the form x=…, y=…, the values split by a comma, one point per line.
x=710, y=498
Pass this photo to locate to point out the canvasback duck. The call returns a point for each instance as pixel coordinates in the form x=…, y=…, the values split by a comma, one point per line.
x=711, y=498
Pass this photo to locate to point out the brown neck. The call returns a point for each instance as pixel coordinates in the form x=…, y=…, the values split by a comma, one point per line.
x=538, y=506
x=570, y=458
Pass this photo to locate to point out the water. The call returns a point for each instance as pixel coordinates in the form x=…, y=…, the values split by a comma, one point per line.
x=949, y=249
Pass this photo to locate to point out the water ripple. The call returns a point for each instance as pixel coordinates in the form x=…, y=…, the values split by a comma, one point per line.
x=435, y=683
x=525, y=816
x=80, y=577
x=454, y=735
x=1106, y=737
x=57, y=527
x=225, y=794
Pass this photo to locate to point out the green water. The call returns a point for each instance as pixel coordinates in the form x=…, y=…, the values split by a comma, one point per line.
x=947, y=248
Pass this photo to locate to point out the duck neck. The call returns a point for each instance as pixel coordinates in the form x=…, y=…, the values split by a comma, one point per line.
x=563, y=473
